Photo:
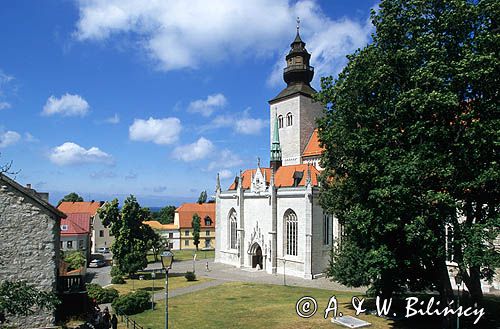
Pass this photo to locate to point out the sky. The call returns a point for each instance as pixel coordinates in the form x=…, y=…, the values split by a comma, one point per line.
x=119, y=97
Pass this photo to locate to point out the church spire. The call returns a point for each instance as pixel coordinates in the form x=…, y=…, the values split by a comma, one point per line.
x=298, y=69
x=275, y=147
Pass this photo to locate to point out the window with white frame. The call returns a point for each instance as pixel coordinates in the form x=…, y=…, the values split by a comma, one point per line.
x=64, y=227
x=327, y=229
x=280, y=121
x=69, y=244
x=289, y=119
x=233, y=225
x=291, y=229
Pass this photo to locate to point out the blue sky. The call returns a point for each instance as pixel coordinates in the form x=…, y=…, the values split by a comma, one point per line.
x=109, y=98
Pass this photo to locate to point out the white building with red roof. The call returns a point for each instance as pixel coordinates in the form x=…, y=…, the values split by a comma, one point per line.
x=270, y=218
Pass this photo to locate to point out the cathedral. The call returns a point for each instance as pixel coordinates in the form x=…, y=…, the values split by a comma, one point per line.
x=269, y=218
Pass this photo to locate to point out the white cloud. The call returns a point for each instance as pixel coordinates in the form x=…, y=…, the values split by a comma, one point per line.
x=30, y=138
x=73, y=154
x=249, y=126
x=4, y=106
x=67, y=105
x=207, y=106
x=9, y=138
x=195, y=151
x=225, y=174
x=241, y=123
x=225, y=160
x=158, y=131
x=115, y=119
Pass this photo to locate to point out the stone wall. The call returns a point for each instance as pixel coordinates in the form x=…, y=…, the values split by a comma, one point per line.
x=29, y=240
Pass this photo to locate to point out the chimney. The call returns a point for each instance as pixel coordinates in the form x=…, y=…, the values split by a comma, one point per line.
x=28, y=186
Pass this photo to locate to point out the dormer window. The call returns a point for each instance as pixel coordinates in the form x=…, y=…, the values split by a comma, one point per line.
x=280, y=121
x=64, y=227
x=208, y=221
x=289, y=119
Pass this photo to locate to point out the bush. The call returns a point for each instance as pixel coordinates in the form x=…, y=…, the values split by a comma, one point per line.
x=100, y=294
x=190, y=276
x=115, y=271
x=133, y=303
x=117, y=280
x=75, y=260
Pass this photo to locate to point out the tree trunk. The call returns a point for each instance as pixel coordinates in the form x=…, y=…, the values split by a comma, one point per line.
x=445, y=291
x=474, y=284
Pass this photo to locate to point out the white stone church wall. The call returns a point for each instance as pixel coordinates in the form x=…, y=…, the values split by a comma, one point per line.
x=223, y=253
x=289, y=135
x=258, y=218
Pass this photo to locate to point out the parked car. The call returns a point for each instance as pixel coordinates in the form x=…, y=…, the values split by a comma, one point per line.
x=97, y=263
x=103, y=250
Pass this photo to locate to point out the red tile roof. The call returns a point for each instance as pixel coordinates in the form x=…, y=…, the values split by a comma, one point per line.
x=313, y=148
x=284, y=176
x=187, y=210
x=79, y=207
x=76, y=223
x=156, y=225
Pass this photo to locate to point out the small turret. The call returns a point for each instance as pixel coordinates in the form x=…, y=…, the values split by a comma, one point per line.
x=275, y=147
x=298, y=69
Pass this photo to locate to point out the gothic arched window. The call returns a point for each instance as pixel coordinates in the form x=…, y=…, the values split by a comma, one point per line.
x=289, y=119
x=233, y=225
x=291, y=229
x=280, y=121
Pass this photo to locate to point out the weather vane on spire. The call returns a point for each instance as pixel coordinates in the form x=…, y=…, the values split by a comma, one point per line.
x=298, y=24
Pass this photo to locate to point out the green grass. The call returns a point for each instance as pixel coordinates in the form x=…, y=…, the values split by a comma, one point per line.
x=187, y=254
x=174, y=282
x=247, y=305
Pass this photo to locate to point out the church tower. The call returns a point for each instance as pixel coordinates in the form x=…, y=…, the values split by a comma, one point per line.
x=293, y=110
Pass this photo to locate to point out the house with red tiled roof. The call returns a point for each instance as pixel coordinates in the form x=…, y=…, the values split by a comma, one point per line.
x=99, y=236
x=169, y=232
x=183, y=219
x=75, y=233
x=269, y=218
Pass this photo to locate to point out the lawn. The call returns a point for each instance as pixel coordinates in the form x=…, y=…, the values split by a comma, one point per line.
x=247, y=305
x=187, y=254
x=174, y=282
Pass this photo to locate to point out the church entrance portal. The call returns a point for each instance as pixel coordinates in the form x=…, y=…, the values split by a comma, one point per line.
x=257, y=258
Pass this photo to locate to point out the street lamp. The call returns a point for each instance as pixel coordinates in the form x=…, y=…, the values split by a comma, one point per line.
x=167, y=257
x=458, y=281
x=153, y=276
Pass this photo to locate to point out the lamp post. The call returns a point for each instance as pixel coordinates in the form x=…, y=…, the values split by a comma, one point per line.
x=458, y=281
x=167, y=257
x=153, y=276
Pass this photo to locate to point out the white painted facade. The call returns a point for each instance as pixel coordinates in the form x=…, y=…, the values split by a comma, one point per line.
x=173, y=236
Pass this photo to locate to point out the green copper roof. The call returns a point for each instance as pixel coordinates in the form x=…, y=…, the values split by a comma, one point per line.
x=275, y=145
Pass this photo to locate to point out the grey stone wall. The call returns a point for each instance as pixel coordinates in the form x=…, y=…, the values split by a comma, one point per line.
x=29, y=240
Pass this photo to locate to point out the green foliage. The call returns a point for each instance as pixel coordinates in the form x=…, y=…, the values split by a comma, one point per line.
x=165, y=215
x=190, y=276
x=131, y=235
x=101, y=295
x=72, y=197
x=203, y=197
x=196, y=229
x=75, y=260
x=133, y=303
x=115, y=271
x=155, y=242
x=118, y=280
x=20, y=298
x=411, y=137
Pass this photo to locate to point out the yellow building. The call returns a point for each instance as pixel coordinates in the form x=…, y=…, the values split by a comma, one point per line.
x=183, y=219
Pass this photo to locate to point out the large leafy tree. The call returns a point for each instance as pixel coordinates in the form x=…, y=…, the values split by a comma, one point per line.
x=203, y=197
x=131, y=235
x=71, y=197
x=196, y=225
x=165, y=215
x=411, y=137
x=20, y=298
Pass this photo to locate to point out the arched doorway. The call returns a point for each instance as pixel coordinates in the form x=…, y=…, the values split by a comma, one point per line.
x=257, y=258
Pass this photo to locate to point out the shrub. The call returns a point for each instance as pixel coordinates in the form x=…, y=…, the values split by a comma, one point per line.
x=190, y=276
x=117, y=280
x=133, y=303
x=100, y=294
x=75, y=260
x=115, y=271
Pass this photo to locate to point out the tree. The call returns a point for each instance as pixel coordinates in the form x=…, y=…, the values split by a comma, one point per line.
x=72, y=197
x=165, y=215
x=410, y=135
x=6, y=168
x=20, y=298
x=75, y=260
x=126, y=225
x=155, y=241
x=203, y=197
x=195, y=223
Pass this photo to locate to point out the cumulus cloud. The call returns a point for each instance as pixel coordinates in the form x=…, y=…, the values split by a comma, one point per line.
x=207, y=106
x=158, y=131
x=242, y=123
x=225, y=160
x=9, y=138
x=225, y=174
x=195, y=151
x=73, y=154
x=67, y=105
